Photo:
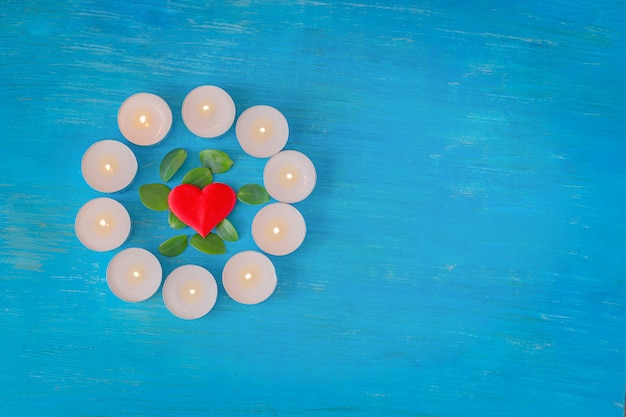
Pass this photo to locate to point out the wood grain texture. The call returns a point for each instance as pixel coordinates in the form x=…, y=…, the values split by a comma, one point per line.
x=465, y=247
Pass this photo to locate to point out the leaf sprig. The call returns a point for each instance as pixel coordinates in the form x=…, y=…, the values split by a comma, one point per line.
x=155, y=197
x=172, y=163
x=253, y=194
x=173, y=246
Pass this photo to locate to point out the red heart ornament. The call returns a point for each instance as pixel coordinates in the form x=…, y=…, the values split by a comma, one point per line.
x=202, y=209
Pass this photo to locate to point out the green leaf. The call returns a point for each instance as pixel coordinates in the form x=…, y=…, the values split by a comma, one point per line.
x=217, y=161
x=154, y=196
x=175, y=222
x=212, y=244
x=200, y=177
x=173, y=246
x=226, y=231
x=172, y=163
x=253, y=194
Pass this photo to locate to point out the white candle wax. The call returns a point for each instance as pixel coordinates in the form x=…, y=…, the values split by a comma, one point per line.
x=208, y=111
x=262, y=131
x=134, y=274
x=144, y=119
x=278, y=229
x=249, y=277
x=289, y=176
x=102, y=224
x=109, y=166
x=190, y=292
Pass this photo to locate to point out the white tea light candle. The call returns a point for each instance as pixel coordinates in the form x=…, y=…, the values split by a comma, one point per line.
x=249, y=277
x=262, y=131
x=189, y=292
x=289, y=176
x=109, y=166
x=134, y=274
x=208, y=111
x=278, y=229
x=144, y=119
x=102, y=224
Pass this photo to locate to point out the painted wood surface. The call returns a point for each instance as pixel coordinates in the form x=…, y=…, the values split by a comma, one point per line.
x=465, y=247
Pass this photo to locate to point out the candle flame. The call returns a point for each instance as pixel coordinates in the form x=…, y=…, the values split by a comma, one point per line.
x=206, y=107
x=289, y=176
x=262, y=130
x=103, y=223
x=276, y=230
x=248, y=275
x=136, y=274
x=192, y=291
x=108, y=168
x=143, y=119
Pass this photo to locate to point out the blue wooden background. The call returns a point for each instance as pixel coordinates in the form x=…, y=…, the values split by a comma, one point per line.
x=465, y=253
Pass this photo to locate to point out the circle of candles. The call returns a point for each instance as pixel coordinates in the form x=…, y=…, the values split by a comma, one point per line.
x=262, y=131
x=102, y=224
x=208, y=111
x=278, y=229
x=109, y=166
x=189, y=292
x=289, y=176
x=134, y=274
x=249, y=277
x=144, y=119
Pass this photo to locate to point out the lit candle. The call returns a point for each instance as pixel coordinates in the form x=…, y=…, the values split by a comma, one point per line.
x=289, y=176
x=134, y=274
x=249, y=277
x=109, y=166
x=208, y=111
x=262, y=131
x=190, y=292
x=102, y=224
x=144, y=119
x=278, y=229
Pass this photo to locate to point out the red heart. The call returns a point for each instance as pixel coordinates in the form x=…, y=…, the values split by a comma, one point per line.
x=202, y=209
